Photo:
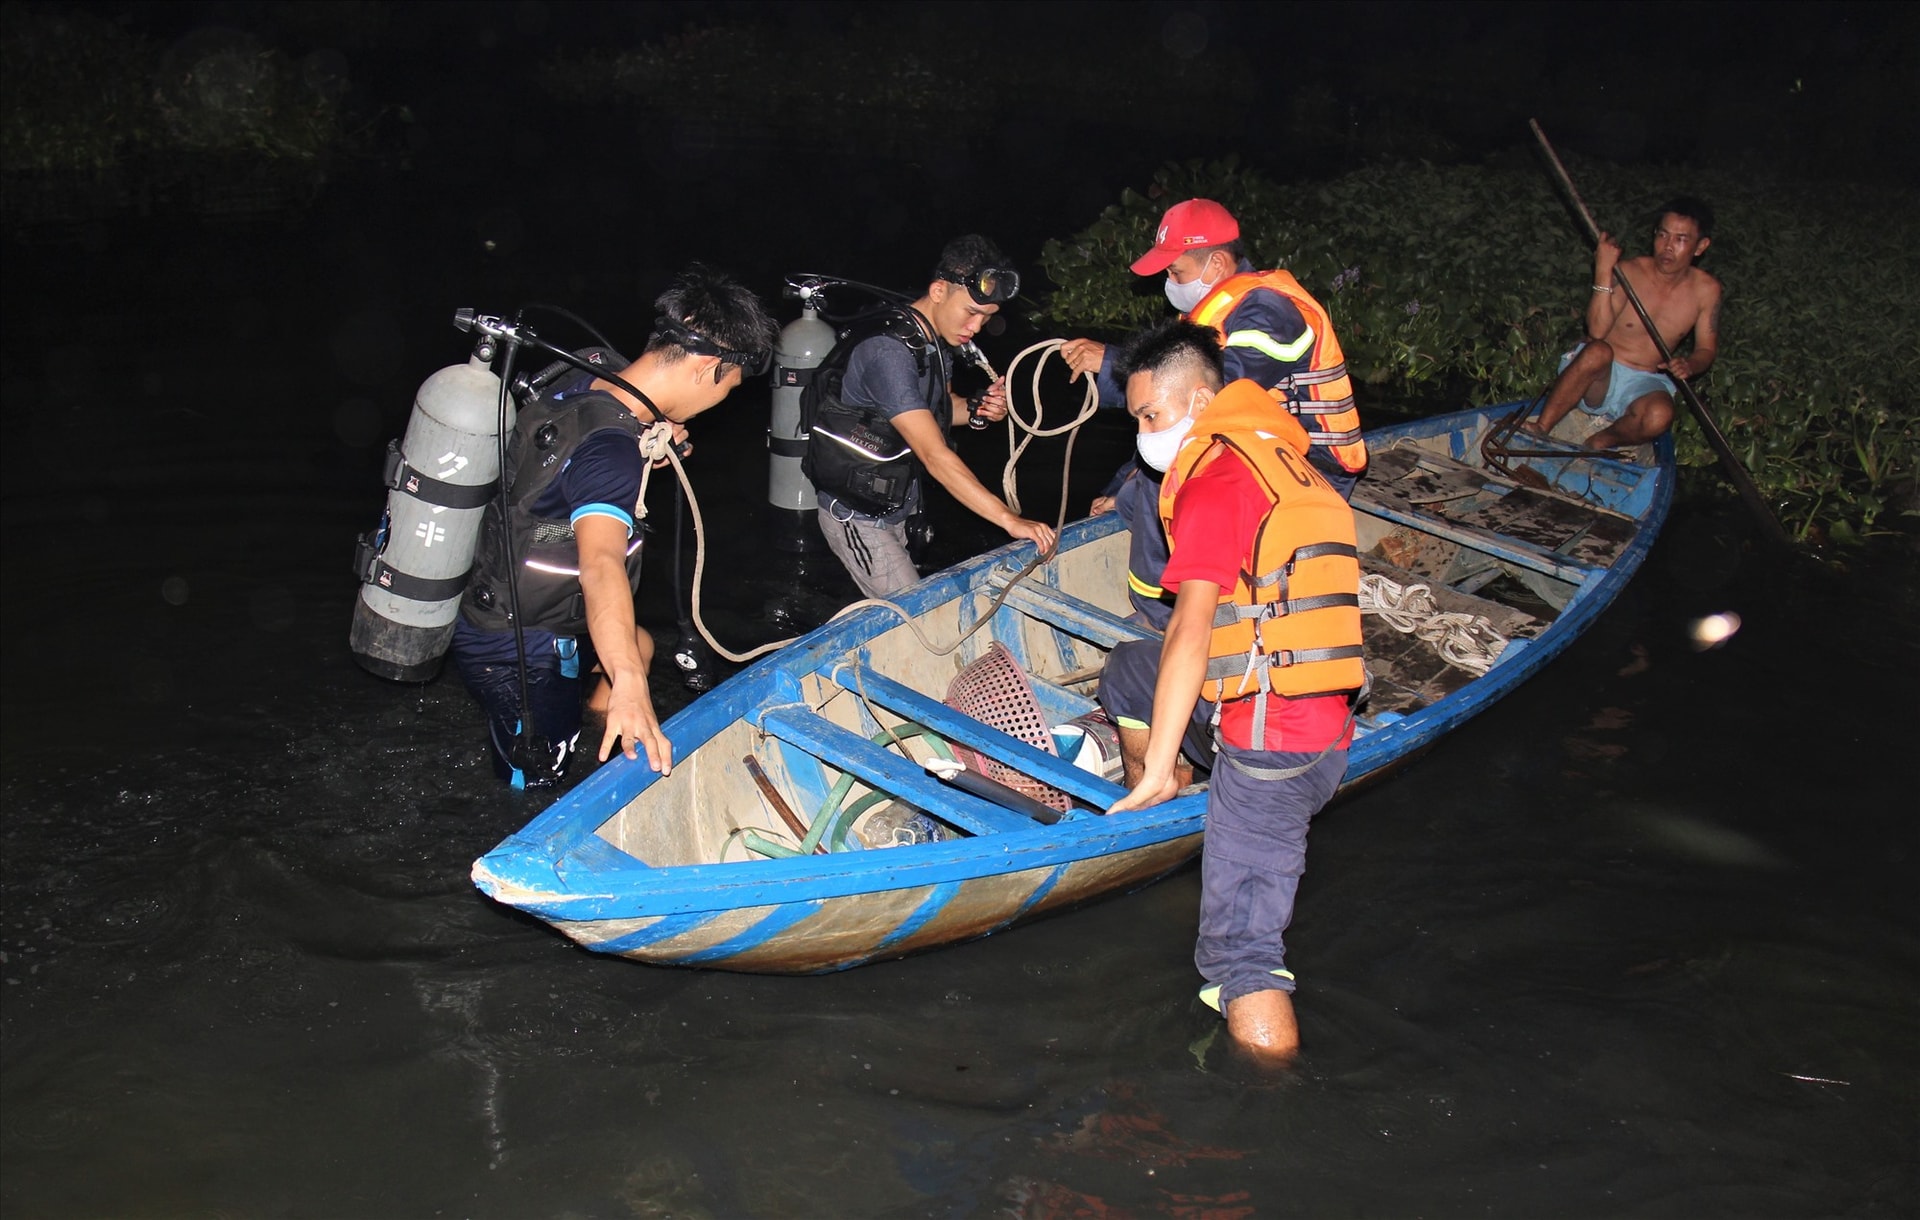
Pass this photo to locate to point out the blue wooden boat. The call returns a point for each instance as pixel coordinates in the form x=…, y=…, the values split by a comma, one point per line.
x=701, y=868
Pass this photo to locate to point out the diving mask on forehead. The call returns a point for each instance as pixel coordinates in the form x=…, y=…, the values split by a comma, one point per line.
x=751, y=364
x=988, y=285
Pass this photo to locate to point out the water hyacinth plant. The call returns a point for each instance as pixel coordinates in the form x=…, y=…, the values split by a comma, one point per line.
x=885, y=82
x=96, y=118
x=1470, y=281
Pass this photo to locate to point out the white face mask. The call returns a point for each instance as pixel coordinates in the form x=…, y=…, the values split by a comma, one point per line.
x=1185, y=296
x=1158, y=449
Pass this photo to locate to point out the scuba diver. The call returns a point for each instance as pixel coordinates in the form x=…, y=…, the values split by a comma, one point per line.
x=879, y=410
x=572, y=482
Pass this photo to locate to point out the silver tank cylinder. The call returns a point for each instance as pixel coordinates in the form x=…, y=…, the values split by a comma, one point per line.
x=452, y=438
x=804, y=343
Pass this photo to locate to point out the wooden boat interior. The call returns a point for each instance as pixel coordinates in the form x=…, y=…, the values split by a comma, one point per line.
x=845, y=742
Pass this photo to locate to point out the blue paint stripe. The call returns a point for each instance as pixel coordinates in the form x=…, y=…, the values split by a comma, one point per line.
x=934, y=903
x=777, y=921
x=1040, y=891
x=665, y=929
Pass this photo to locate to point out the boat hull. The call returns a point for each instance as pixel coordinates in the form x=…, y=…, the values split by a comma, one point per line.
x=694, y=869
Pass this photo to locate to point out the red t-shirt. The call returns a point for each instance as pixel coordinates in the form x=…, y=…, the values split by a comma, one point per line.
x=1215, y=515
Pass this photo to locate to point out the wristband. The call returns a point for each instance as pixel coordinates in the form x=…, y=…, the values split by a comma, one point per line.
x=1601, y=288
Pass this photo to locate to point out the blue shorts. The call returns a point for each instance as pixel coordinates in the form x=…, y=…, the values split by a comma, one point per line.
x=1626, y=385
x=1251, y=861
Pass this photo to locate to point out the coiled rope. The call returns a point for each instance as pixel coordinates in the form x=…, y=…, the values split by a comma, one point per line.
x=1017, y=444
x=1466, y=640
x=657, y=442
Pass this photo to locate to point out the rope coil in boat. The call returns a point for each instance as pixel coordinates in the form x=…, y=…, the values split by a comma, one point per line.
x=1468, y=641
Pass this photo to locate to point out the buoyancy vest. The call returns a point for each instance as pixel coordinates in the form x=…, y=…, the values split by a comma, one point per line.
x=854, y=453
x=1321, y=394
x=545, y=436
x=1291, y=623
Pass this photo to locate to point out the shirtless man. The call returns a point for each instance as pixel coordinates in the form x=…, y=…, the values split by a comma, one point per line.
x=1617, y=375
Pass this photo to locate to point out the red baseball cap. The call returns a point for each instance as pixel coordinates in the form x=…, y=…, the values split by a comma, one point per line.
x=1193, y=225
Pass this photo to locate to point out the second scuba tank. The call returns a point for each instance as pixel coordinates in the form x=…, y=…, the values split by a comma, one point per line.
x=804, y=343
x=413, y=567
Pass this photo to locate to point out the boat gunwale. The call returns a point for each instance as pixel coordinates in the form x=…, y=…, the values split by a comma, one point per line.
x=528, y=868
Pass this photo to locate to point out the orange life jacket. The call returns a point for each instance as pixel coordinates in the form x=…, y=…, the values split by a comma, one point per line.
x=1291, y=623
x=1323, y=394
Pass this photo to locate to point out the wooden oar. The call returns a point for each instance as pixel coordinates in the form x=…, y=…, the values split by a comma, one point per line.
x=1735, y=472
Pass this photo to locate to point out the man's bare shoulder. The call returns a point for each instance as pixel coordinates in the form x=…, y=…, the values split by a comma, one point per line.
x=1704, y=285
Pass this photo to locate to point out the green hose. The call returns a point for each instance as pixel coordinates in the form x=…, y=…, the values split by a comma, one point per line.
x=833, y=822
x=843, y=824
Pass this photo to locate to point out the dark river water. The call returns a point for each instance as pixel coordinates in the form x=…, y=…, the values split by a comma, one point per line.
x=1640, y=941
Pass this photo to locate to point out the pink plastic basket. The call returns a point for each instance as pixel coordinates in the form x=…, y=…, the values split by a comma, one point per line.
x=994, y=690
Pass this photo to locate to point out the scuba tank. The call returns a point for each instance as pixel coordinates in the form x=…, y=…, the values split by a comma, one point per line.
x=413, y=566
x=803, y=343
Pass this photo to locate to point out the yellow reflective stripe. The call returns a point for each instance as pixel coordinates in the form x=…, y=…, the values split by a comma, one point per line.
x=1218, y=304
x=1128, y=722
x=1262, y=342
x=1143, y=588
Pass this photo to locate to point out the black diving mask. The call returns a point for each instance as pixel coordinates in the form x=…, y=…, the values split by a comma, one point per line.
x=750, y=364
x=988, y=285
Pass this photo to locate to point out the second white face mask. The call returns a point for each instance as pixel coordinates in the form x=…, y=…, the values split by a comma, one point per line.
x=1158, y=449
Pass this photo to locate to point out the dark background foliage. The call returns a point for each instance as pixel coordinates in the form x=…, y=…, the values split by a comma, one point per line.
x=1379, y=145
x=1461, y=281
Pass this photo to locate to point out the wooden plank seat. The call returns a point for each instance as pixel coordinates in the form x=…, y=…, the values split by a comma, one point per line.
x=1069, y=613
x=954, y=726
x=1434, y=494
x=883, y=770
x=1585, y=534
x=1412, y=479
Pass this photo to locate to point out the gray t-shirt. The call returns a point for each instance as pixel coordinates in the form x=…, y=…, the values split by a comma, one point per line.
x=884, y=374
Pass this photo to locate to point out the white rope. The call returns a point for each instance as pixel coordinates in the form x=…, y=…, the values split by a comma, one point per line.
x=700, y=565
x=1017, y=444
x=654, y=449
x=1468, y=641
x=926, y=641
x=656, y=443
